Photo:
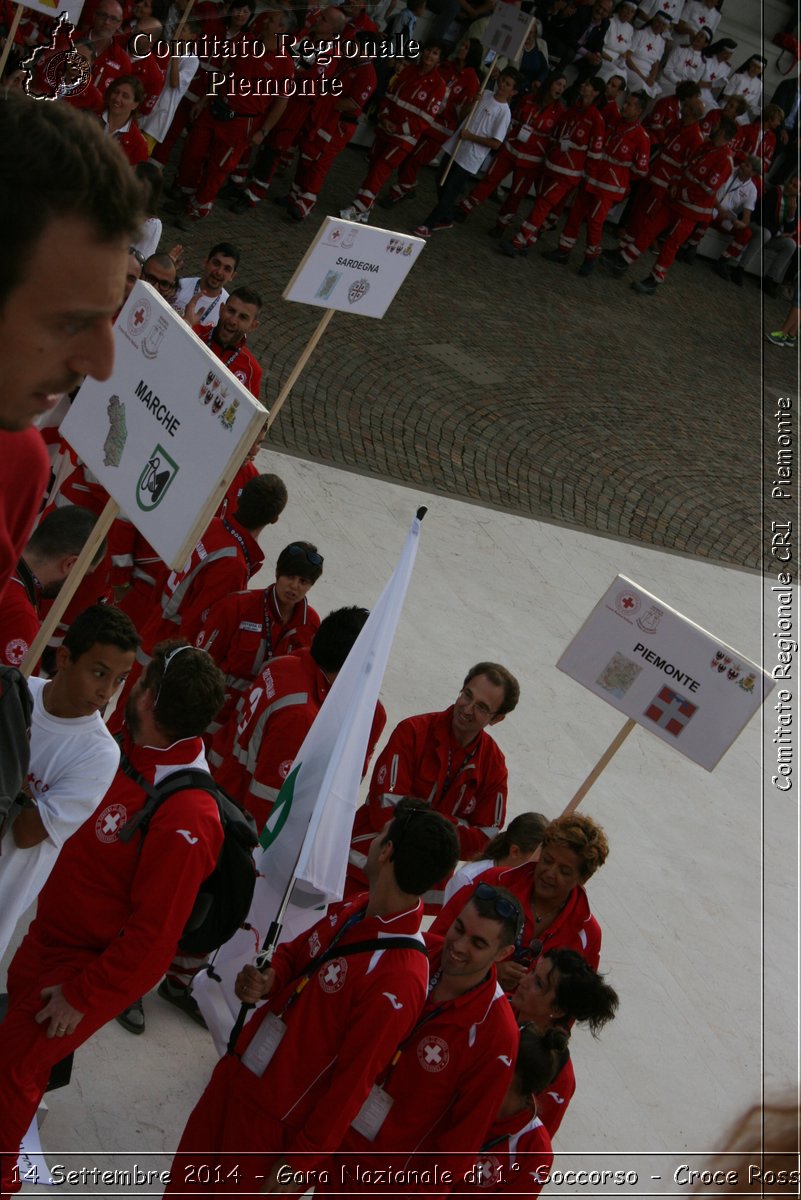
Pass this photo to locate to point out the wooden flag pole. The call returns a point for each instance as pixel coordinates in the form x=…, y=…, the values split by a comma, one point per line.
x=460, y=138
x=609, y=753
x=300, y=364
x=179, y=28
x=82, y=564
x=12, y=33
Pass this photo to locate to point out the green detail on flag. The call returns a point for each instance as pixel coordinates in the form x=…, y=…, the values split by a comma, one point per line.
x=277, y=818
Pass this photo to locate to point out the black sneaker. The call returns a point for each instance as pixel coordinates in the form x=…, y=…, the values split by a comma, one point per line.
x=737, y=274
x=557, y=255
x=180, y=997
x=242, y=205
x=722, y=268
x=646, y=287
x=133, y=1019
x=587, y=267
x=614, y=262
x=513, y=251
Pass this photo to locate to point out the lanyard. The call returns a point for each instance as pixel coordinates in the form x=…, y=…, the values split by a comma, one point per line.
x=448, y=780
x=236, y=534
x=25, y=576
x=268, y=629
x=211, y=307
x=309, y=970
x=232, y=357
x=423, y=1021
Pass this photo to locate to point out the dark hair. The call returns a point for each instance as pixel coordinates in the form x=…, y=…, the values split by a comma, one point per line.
x=225, y=250
x=687, y=89
x=716, y=47
x=525, y=831
x=251, y=4
x=334, y=640
x=548, y=83
x=100, y=625
x=512, y=73
x=641, y=98
x=160, y=9
x=487, y=907
x=433, y=44
x=56, y=163
x=292, y=562
x=190, y=692
x=64, y=531
x=162, y=260
x=727, y=126
x=425, y=847
x=132, y=82
x=581, y=835
x=247, y=296
x=581, y=993
x=597, y=84
x=475, y=54
x=540, y=1058
x=261, y=502
x=499, y=676
x=152, y=180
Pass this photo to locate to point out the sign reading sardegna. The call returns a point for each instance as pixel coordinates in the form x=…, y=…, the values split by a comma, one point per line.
x=665, y=672
x=167, y=432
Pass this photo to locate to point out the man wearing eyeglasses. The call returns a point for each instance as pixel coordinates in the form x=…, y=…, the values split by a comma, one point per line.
x=450, y=760
x=109, y=59
x=161, y=273
x=112, y=911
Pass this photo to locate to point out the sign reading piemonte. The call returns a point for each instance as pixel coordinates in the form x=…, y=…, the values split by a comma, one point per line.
x=507, y=30
x=353, y=268
x=665, y=672
x=166, y=434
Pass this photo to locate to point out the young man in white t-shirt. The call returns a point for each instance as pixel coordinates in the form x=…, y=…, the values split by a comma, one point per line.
x=482, y=131
x=73, y=756
x=200, y=297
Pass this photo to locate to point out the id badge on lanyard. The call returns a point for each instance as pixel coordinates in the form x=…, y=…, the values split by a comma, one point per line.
x=264, y=1044
x=373, y=1113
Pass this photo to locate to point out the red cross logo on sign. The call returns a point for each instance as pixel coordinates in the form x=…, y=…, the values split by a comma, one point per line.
x=432, y=1054
x=109, y=821
x=670, y=711
x=332, y=975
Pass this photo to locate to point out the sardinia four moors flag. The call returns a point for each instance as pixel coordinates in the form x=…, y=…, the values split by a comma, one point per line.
x=307, y=838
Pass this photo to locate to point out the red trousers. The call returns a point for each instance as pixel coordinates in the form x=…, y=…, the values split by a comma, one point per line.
x=554, y=189
x=211, y=152
x=387, y=154
x=280, y=140
x=649, y=198
x=739, y=238
x=317, y=154
x=523, y=176
x=594, y=209
x=679, y=229
x=424, y=152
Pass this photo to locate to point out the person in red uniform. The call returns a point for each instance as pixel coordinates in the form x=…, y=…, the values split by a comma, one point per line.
x=760, y=140
x=669, y=112
x=71, y=226
x=328, y=129
x=522, y=154
x=517, y=1155
x=109, y=60
x=450, y=760
x=239, y=316
x=559, y=991
x=357, y=19
x=463, y=83
x=229, y=124
x=49, y=557
x=624, y=156
x=340, y=1029
x=409, y=107
x=450, y=1073
x=690, y=201
x=253, y=753
x=577, y=139
x=733, y=107
x=551, y=890
x=111, y=912
x=123, y=97
x=243, y=632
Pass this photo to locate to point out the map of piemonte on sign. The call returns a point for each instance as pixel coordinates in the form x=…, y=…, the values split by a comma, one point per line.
x=353, y=268
x=166, y=434
x=665, y=672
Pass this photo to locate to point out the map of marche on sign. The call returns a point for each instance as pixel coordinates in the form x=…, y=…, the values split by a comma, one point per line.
x=166, y=434
x=353, y=268
x=507, y=30
x=665, y=672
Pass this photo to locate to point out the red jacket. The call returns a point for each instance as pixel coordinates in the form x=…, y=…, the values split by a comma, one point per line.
x=132, y=143
x=678, y=146
x=531, y=129
x=515, y=1159
x=553, y=1102
x=451, y=1076
x=462, y=89
x=661, y=119
x=19, y=621
x=575, y=928
x=152, y=74
x=238, y=359
x=413, y=103
x=112, y=912
x=625, y=154
x=109, y=65
x=577, y=137
x=23, y=479
x=420, y=759
x=246, y=472
x=694, y=195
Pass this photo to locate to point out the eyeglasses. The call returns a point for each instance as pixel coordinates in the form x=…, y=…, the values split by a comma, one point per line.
x=168, y=659
x=311, y=556
x=528, y=955
x=140, y=258
x=479, y=706
x=161, y=285
x=508, y=909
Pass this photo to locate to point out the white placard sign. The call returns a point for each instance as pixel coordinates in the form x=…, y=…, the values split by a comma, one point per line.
x=665, y=672
x=507, y=30
x=167, y=432
x=72, y=8
x=353, y=268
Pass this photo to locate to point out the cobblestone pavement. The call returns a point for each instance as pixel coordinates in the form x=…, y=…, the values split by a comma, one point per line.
x=517, y=384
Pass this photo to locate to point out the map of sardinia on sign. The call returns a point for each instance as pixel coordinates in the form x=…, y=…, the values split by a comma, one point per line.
x=353, y=268
x=166, y=434
x=665, y=672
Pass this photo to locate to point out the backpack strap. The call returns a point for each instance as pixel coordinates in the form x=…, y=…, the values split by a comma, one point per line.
x=389, y=943
x=178, y=781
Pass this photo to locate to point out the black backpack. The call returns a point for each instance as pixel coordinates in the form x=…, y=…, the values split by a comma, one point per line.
x=225, y=896
x=15, y=750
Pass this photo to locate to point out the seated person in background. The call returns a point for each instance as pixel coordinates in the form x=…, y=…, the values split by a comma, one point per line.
x=517, y=844
x=776, y=234
x=746, y=81
x=717, y=69
x=555, y=905
x=737, y=200
x=644, y=55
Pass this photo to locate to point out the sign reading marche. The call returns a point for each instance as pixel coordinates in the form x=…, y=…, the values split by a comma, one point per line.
x=353, y=268
x=666, y=673
x=167, y=432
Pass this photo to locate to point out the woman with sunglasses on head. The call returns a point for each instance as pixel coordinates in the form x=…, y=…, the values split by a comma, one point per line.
x=560, y=990
x=555, y=905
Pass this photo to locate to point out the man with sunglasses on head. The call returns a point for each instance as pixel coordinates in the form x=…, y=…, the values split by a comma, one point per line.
x=430, y=1109
x=450, y=760
x=112, y=910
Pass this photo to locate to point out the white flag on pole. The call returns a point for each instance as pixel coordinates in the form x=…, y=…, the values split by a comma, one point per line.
x=307, y=837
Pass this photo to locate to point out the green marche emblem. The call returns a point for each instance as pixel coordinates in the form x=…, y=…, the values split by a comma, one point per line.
x=157, y=475
x=283, y=803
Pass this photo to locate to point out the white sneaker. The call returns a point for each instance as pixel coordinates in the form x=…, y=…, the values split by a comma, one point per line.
x=352, y=213
x=348, y=214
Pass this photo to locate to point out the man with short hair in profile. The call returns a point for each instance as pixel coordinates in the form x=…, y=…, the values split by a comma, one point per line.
x=307, y=1058
x=73, y=755
x=449, y=759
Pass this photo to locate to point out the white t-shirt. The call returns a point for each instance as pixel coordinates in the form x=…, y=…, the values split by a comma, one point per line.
x=491, y=120
x=466, y=874
x=208, y=307
x=73, y=762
